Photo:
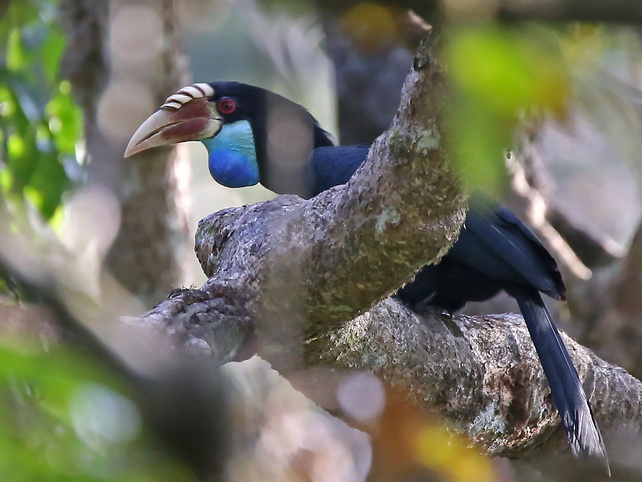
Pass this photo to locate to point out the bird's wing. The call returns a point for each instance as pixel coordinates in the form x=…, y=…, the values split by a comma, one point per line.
x=495, y=242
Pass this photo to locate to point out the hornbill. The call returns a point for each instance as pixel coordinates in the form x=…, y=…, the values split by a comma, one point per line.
x=256, y=136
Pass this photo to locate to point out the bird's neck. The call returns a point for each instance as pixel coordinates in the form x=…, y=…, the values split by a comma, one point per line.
x=285, y=145
x=232, y=155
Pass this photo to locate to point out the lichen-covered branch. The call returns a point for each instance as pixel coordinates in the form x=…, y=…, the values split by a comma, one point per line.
x=480, y=374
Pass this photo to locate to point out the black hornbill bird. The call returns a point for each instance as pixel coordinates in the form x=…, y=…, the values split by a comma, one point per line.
x=254, y=135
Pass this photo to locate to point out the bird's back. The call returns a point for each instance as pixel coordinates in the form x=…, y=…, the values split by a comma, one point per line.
x=332, y=166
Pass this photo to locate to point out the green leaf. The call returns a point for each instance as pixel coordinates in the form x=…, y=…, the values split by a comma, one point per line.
x=23, y=156
x=65, y=119
x=15, y=52
x=37, y=113
x=52, y=51
x=16, y=147
x=47, y=184
x=498, y=74
x=63, y=418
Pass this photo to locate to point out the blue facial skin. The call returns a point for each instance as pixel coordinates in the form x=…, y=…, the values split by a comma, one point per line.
x=232, y=155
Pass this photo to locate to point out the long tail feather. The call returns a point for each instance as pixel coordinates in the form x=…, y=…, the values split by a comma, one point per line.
x=574, y=409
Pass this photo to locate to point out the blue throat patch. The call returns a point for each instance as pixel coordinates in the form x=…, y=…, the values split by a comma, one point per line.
x=232, y=155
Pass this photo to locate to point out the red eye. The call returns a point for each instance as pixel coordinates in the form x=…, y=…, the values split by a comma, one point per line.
x=226, y=105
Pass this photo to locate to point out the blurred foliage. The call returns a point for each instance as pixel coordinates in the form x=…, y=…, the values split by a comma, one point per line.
x=499, y=73
x=370, y=26
x=62, y=419
x=39, y=122
x=578, y=87
x=450, y=456
x=408, y=440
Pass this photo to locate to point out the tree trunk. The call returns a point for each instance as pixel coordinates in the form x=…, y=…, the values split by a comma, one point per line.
x=122, y=59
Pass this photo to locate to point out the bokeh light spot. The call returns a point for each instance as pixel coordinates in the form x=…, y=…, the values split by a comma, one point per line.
x=122, y=108
x=371, y=26
x=136, y=34
x=362, y=396
x=102, y=416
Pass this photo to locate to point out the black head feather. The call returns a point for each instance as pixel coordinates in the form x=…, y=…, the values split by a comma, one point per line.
x=285, y=135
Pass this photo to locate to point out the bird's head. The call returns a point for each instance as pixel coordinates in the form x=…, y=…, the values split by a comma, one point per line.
x=252, y=135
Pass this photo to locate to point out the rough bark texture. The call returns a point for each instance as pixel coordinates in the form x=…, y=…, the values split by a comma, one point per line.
x=123, y=57
x=479, y=374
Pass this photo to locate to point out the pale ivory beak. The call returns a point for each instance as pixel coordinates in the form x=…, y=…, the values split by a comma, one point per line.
x=195, y=120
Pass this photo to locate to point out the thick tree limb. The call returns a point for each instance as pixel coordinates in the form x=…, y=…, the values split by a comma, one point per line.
x=480, y=374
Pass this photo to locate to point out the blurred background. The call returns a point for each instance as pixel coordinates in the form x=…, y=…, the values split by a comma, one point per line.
x=108, y=237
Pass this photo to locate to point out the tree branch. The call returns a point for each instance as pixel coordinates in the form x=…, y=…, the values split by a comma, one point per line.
x=480, y=374
x=577, y=249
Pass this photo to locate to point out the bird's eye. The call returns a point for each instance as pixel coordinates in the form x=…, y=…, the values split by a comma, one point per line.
x=226, y=105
